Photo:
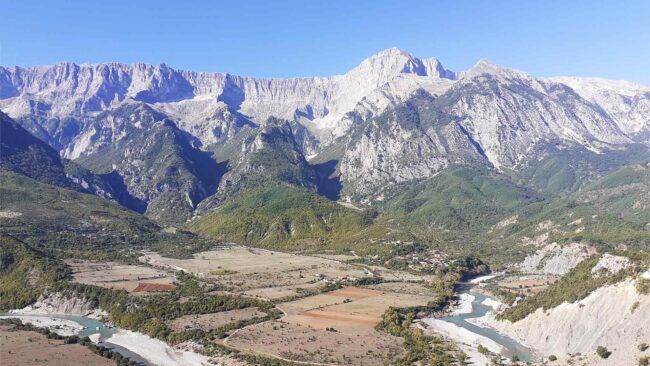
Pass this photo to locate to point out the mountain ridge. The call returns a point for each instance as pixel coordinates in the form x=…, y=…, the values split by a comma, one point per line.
x=393, y=119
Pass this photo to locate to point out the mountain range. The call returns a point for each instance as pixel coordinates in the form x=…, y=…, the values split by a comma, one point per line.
x=386, y=138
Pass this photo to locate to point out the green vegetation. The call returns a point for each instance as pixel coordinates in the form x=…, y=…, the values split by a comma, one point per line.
x=562, y=171
x=643, y=285
x=43, y=207
x=25, y=154
x=575, y=285
x=569, y=221
x=419, y=348
x=603, y=352
x=552, y=358
x=644, y=361
x=643, y=346
x=222, y=272
x=624, y=193
x=150, y=314
x=280, y=216
x=56, y=220
x=459, y=198
x=25, y=273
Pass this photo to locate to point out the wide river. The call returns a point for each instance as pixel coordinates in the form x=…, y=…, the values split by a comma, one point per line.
x=512, y=347
x=478, y=310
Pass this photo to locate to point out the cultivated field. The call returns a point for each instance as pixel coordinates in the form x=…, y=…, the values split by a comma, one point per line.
x=116, y=275
x=294, y=342
x=258, y=272
x=20, y=348
x=333, y=327
x=215, y=320
x=402, y=287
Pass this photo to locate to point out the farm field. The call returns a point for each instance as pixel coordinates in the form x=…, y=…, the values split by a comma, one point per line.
x=260, y=273
x=289, y=341
x=402, y=287
x=328, y=327
x=117, y=276
x=211, y=321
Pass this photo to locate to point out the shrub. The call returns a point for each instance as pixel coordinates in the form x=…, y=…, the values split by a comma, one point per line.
x=644, y=361
x=603, y=352
x=642, y=346
x=643, y=286
x=483, y=350
x=552, y=358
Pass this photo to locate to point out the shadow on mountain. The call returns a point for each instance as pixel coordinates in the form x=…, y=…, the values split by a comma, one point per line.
x=209, y=171
x=121, y=193
x=232, y=93
x=329, y=181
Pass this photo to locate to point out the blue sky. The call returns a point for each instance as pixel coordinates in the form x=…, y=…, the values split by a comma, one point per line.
x=304, y=38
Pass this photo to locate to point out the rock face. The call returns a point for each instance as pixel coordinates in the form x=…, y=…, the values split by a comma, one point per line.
x=608, y=317
x=268, y=154
x=58, y=303
x=555, y=259
x=394, y=118
x=626, y=102
x=164, y=174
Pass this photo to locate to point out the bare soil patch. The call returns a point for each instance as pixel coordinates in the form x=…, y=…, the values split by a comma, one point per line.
x=403, y=287
x=116, y=275
x=19, y=348
x=154, y=287
x=333, y=327
x=296, y=342
x=526, y=284
x=261, y=273
x=214, y=320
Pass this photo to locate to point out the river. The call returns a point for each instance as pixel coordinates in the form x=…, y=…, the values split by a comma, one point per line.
x=479, y=309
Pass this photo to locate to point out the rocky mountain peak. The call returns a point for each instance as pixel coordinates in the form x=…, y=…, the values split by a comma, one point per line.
x=484, y=66
x=393, y=61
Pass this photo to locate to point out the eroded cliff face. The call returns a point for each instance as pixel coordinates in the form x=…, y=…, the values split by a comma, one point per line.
x=59, y=303
x=616, y=316
x=556, y=259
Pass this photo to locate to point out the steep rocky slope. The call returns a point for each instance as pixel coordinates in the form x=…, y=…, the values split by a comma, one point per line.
x=25, y=154
x=393, y=121
x=614, y=316
x=161, y=170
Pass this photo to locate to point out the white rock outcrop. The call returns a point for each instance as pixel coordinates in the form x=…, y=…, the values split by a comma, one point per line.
x=490, y=114
x=555, y=259
x=615, y=316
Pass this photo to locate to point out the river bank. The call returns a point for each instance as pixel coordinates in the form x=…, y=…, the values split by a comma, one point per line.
x=137, y=346
x=462, y=325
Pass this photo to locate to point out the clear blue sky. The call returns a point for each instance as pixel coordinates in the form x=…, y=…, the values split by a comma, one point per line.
x=276, y=38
